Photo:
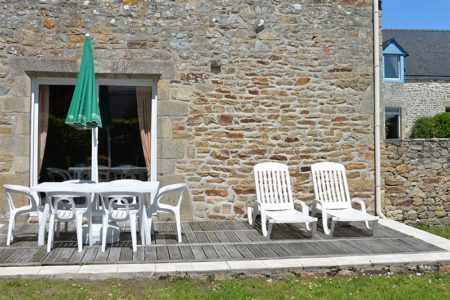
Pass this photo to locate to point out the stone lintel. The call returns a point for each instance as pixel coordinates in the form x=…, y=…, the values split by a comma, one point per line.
x=69, y=68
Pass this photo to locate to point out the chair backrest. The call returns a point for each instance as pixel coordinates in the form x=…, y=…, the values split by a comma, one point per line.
x=64, y=202
x=273, y=186
x=58, y=175
x=21, y=190
x=169, y=189
x=123, y=201
x=330, y=185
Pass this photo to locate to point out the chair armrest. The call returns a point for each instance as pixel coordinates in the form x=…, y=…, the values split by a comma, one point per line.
x=361, y=203
x=305, y=209
x=318, y=204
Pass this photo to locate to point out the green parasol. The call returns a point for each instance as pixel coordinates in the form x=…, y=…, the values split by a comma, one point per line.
x=84, y=112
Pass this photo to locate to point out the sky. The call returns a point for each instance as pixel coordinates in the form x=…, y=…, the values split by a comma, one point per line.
x=416, y=14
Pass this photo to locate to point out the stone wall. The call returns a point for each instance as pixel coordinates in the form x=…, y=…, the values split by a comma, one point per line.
x=417, y=99
x=417, y=181
x=295, y=89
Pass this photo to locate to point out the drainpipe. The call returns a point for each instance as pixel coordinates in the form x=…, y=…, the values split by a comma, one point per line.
x=376, y=67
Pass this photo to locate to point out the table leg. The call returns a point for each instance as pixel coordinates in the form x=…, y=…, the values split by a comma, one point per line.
x=42, y=222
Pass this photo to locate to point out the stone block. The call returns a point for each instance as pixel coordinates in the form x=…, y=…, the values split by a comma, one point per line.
x=163, y=89
x=23, y=86
x=164, y=128
x=181, y=92
x=172, y=108
x=168, y=148
x=166, y=166
x=19, y=104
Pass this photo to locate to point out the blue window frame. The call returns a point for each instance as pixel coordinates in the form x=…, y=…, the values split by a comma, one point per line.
x=393, y=62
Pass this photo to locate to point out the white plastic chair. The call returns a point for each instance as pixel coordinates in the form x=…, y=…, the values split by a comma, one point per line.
x=32, y=206
x=159, y=207
x=274, y=199
x=116, y=207
x=332, y=197
x=63, y=209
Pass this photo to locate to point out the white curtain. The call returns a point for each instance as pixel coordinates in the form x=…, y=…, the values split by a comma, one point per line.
x=144, y=108
x=44, y=96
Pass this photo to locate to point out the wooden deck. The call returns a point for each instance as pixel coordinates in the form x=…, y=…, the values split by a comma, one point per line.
x=209, y=241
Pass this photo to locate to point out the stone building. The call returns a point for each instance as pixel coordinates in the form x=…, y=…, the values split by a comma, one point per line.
x=237, y=82
x=416, y=173
x=421, y=86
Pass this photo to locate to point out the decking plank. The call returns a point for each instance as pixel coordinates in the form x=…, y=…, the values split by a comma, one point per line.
x=213, y=225
x=162, y=253
x=222, y=237
x=174, y=252
x=233, y=251
x=212, y=237
x=40, y=255
x=257, y=252
x=114, y=254
x=198, y=252
x=186, y=253
x=138, y=256
x=246, y=253
x=221, y=252
x=66, y=254
x=21, y=256
x=209, y=252
x=150, y=253
x=91, y=253
x=5, y=253
x=191, y=238
x=195, y=226
x=232, y=237
x=243, y=237
x=126, y=254
x=201, y=237
x=52, y=257
x=205, y=226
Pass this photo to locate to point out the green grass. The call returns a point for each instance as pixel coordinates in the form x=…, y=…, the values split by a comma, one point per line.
x=443, y=231
x=430, y=286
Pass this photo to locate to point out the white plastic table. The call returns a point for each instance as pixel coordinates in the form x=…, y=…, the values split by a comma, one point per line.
x=136, y=186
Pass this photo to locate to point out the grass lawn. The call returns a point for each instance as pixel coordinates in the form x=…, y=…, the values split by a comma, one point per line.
x=427, y=286
x=443, y=231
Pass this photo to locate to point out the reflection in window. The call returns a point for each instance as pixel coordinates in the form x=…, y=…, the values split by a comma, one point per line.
x=392, y=66
x=392, y=122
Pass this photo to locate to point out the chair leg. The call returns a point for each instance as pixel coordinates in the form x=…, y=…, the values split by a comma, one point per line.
x=42, y=222
x=12, y=219
x=333, y=225
x=79, y=229
x=105, y=221
x=133, y=231
x=264, y=224
x=51, y=232
x=269, y=230
x=255, y=213
x=326, y=230
x=178, y=223
x=89, y=216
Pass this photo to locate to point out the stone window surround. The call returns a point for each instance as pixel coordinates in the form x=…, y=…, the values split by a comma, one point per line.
x=23, y=70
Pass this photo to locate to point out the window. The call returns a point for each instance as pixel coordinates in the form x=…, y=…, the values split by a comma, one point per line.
x=62, y=152
x=447, y=109
x=393, y=62
x=392, y=122
x=392, y=67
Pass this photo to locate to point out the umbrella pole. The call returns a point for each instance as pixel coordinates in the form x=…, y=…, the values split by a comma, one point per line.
x=94, y=154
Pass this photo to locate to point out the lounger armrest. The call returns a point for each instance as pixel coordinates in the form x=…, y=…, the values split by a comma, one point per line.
x=317, y=204
x=305, y=209
x=361, y=203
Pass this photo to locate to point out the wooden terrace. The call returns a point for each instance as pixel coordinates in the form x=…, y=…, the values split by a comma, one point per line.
x=210, y=241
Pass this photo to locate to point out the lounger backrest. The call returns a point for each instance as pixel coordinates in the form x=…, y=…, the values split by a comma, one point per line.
x=273, y=186
x=330, y=185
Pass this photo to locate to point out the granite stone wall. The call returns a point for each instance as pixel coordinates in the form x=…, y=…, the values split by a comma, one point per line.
x=416, y=177
x=417, y=99
x=239, y=82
